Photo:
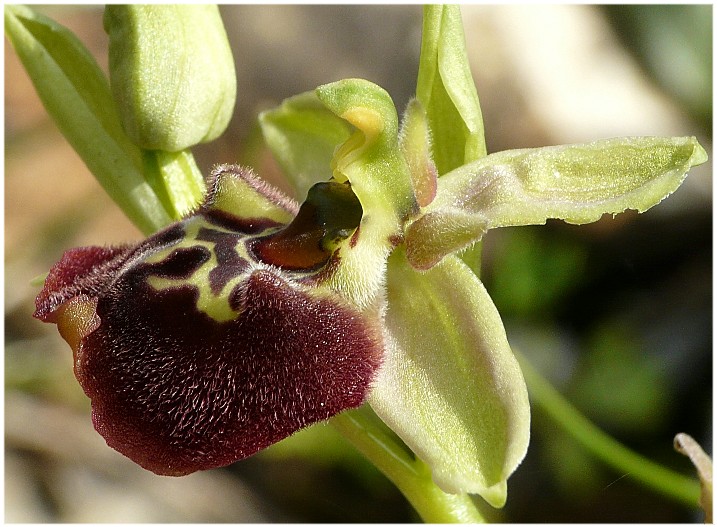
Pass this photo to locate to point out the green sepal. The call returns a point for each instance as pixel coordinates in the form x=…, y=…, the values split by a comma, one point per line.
x=172, y=73
x=176, y=179
x=446, y=90
x=77, y=96
x=303, y=134
x=575, y=183
x=450, y=385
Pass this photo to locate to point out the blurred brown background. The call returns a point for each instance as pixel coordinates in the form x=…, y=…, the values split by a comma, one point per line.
x=618, y=313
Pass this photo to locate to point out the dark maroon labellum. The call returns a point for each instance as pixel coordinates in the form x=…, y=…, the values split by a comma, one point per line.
x=195, y=353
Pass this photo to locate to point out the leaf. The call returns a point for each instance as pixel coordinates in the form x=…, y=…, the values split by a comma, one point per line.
x=446, y=90
x=450, y=386
x=77, y=96
x=575, y=183
x=303, y=134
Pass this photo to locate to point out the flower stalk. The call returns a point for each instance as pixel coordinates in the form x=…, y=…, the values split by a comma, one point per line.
x=413, y=478
x=681, y=488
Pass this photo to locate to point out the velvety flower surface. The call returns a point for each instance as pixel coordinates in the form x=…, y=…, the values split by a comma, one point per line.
x=253, y=317
x=206, y=342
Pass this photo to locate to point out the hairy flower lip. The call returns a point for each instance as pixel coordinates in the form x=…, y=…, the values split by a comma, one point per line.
x=283, y=390
x=194, y=352
x=61, y=286
x=88, y=270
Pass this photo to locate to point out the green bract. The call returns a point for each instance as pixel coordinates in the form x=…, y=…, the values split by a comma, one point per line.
x=172, y=73
x=77, y=96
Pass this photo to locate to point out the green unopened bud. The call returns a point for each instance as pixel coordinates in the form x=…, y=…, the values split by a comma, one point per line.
x=172, y=73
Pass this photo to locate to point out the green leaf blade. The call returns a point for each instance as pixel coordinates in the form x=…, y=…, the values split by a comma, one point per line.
x=76, y=94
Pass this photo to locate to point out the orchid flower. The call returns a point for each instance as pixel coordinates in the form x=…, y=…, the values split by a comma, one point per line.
x=246, y=316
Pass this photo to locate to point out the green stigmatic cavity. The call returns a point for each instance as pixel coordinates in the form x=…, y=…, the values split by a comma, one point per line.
x=213, y=338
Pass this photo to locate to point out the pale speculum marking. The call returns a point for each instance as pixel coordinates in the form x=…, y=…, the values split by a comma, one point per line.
x=214, y=260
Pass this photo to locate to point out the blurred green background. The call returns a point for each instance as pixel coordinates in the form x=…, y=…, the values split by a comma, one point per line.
x=618, y=314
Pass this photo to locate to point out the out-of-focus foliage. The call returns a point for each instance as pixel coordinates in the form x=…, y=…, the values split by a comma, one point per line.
x=529, y=284
x=674, y=44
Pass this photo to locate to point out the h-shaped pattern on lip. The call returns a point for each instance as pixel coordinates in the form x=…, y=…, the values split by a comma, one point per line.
x=195, y=353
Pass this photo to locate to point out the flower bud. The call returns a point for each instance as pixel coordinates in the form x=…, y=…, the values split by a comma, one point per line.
x=172, y=73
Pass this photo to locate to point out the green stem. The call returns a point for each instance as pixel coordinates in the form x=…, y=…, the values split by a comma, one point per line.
x=412, y=477
x=175, y=179
x=603, y=446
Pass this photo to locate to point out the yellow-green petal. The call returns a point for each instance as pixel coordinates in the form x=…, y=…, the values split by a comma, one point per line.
x=415, y=140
